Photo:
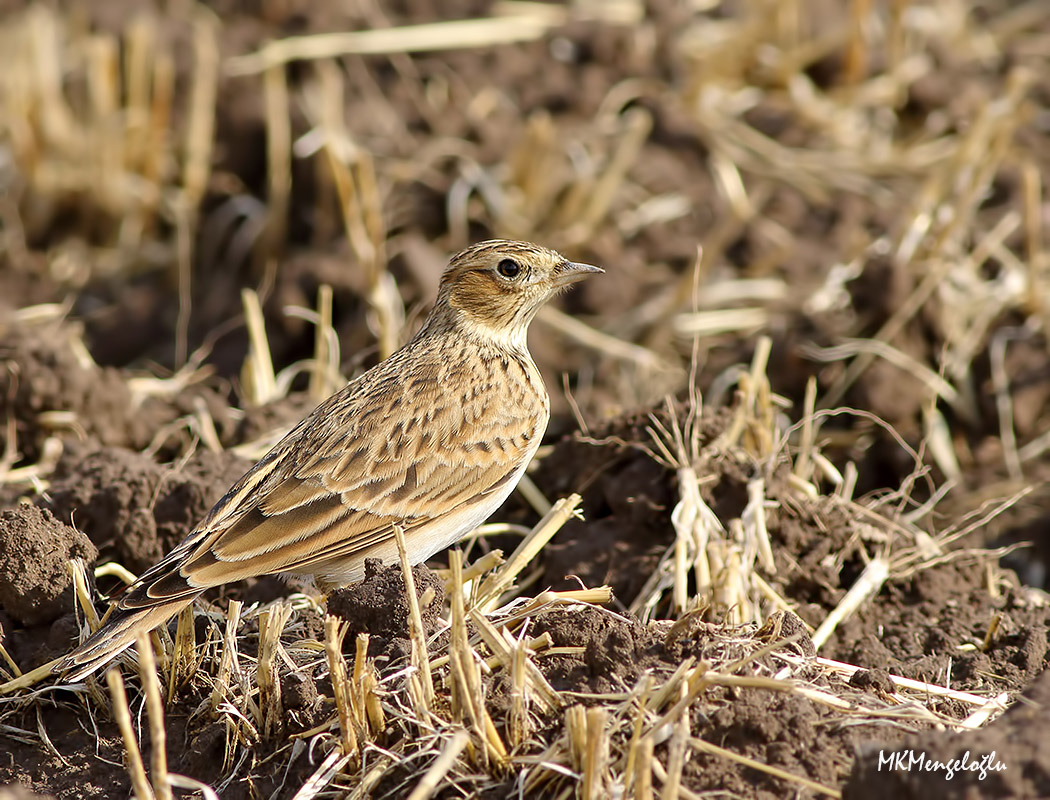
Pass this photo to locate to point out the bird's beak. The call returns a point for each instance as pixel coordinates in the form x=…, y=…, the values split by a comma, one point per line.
x=570, y=272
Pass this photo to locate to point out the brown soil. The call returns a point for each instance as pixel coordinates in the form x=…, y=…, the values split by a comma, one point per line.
x=35, y=586
x=912, y=628
x=1008, y=758
x=133, y=508
x=378, y=606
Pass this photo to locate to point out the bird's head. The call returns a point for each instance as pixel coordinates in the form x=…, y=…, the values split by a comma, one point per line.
x=495, y=288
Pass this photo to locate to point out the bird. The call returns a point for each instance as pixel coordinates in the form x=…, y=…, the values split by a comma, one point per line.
x=431, y=440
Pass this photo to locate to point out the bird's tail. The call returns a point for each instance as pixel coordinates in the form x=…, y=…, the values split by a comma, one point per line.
x=116, y=636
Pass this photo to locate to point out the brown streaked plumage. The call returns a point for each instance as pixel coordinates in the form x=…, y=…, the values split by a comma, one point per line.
x=432, y=439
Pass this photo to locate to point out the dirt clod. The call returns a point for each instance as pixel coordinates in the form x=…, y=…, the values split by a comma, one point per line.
x=45, y=375
x=877, y=680
x=615, y=649
x=35, y=584
x=135, y=509
x=378, y=605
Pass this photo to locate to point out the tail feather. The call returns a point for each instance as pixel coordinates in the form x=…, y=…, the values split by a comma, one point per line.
x=116, y=636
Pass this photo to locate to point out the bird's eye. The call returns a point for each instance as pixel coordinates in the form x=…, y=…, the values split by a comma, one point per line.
x=509, y=268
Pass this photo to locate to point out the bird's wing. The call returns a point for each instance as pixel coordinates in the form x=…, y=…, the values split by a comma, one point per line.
x=339, y=483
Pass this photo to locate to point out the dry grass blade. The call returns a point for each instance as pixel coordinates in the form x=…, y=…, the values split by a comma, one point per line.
x=184, y=654
x=636, y=124
x=33, y=475
x=365, y=684
x=455, y=35
x=136, y=770
x=595, y=755
x=935, y=382
x=335, y=632
x=352, y=172
x=420, y=660
x=493, y=586
x=603, y=343
x=28, y=679
x=193, y=785
x=518, y=716
x=279, y=164
x=441, y=766
x=329, y=768
x=229, y=663
x=271, y=625
x=10, y=662
x=705, y=324
x=676, y=756
x=643, y=772
x=866, y=587
x=509, y=654
x=325, y=369
x=533, y=496
x=80, y=588
x=991, y=709
x=196, y=166
x=488, y=562
x=200, y=125
x=922, y=687
x=155, y=712
x=257, y=375
x=468, y=699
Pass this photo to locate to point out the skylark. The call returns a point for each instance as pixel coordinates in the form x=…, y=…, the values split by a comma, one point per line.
x=433, y=440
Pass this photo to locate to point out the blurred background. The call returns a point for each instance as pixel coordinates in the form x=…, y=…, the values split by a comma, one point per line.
x=238, y=202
